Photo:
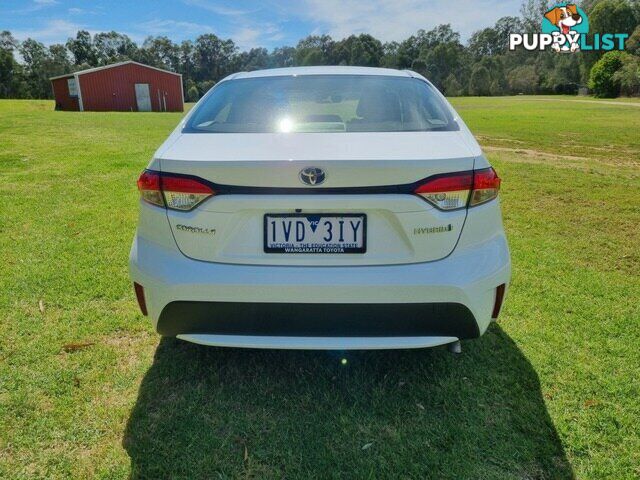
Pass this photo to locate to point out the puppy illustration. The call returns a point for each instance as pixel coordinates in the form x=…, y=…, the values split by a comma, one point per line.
x=564, y=18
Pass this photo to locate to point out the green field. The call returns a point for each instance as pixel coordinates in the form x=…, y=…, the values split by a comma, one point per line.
x=87, y=389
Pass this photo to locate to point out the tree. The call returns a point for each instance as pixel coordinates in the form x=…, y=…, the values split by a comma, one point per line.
x=601, y=80
x=192, y=93
x=504, y=27
x=11, y=81
x=390, y=55
x=411, y=48
x=483, y=42
x=41, y=63
x=494, y=65
x=186, y=60
x=35, y=55
x=440, y=34
x=82, y=49
x=628, y=76
x=494, y=40
x=635, y=6
x=452, y=87
x=612, y=16
x=607, y=16
x=113, y=47
x=495, y=89
x=419, y=66
x=315, y=50
x=523, y=79
x=214, y=57
x=205, y=85
x=311, y=57
x=443, y=60
x=486, y=64
x=159, y=52
x=564, y=76
x=480, y=81
x=633, y=42
x=532, y=12
x=254, y=59
x=57, y=62
x=7, y=42
x=362, y=50
x=282, y=57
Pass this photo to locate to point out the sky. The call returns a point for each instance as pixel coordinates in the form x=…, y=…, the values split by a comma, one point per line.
x=250, y=23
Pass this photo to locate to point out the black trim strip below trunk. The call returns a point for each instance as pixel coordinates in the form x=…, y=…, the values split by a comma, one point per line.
x=407, y=188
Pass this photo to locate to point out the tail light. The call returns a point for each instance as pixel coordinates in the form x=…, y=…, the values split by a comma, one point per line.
x=486, y=185
x=172, y=191
x=447, y=192
x=149, y=188
x=457, y=190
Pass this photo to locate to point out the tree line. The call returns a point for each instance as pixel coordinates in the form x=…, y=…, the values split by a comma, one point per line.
x=483, y=65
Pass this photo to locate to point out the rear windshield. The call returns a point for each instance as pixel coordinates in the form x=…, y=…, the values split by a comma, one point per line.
x=322, y=103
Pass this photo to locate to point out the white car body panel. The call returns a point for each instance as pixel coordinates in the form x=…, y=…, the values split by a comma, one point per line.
x=316, y=343
x=323, y=70
x=391, y=220
x=468, y=276
x=312, y=147
x=461, y=266
x=350, y=160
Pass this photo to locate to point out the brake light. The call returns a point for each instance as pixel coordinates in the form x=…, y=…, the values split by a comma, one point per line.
x=457, y=190
x=172, y=191
x=486, y=185
x=447, y=192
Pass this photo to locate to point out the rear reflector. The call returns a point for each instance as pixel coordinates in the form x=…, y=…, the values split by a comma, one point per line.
x=457, y=190
x=173, y=191
x=139, y=289
x=498, y=302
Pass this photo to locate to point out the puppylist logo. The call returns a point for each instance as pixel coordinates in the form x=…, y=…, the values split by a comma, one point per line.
x=564, y=30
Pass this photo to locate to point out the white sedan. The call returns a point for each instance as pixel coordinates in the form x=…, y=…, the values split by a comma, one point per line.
x=321, y=208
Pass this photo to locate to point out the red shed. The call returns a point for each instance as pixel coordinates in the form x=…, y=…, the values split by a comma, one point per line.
x=126, y=86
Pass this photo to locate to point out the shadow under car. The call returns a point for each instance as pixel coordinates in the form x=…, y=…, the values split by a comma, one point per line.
x=206, y=412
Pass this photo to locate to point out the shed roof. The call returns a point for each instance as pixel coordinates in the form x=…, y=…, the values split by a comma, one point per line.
x=119, y=64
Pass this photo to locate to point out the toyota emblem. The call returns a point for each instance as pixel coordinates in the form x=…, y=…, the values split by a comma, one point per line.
x=312, y=176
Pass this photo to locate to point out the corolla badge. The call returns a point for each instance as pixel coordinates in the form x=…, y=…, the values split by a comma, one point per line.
x=312, y=176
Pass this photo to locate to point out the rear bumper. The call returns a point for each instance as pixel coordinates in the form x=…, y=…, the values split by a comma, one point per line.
x=399, y=306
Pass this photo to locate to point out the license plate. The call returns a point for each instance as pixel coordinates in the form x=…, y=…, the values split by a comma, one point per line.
x=327, y=233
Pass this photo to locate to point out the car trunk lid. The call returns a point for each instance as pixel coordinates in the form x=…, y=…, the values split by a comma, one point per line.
x=259, y=174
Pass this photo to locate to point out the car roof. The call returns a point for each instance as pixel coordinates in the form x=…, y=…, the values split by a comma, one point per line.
x=324, y=70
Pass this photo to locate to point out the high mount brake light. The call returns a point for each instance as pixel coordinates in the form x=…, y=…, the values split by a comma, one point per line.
x=172, y=191
x=457, y=190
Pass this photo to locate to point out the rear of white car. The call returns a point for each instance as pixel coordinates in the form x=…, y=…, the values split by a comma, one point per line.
x=321, y=208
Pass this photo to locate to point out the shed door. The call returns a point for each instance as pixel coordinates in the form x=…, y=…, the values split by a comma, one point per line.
x=143, y=98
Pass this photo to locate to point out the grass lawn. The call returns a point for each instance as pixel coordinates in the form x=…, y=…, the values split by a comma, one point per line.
x=87, y=389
